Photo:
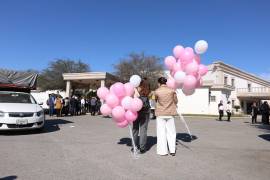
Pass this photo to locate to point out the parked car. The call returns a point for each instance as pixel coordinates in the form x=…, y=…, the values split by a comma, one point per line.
x=19, y=110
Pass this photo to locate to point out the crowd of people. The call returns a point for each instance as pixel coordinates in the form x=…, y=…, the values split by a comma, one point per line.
x=73, y=106
x=264, y=110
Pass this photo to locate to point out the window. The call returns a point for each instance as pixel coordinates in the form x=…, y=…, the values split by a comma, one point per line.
x=249, y=87
x=225, y=80
x=16, y=97
x=213, y=98
x=233, y=83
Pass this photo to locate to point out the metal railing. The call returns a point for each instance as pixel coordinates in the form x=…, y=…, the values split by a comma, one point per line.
x=253, y=90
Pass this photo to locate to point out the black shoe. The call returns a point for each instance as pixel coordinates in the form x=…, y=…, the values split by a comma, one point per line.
x=142, y=151
x=172, y=154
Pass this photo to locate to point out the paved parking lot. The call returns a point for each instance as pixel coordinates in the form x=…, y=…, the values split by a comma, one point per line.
x=86, y=147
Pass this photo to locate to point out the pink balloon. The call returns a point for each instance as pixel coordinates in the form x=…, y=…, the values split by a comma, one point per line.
x=122, y=124
x=131, y=116
x=136, y=105
x=177, y=67
x=199, y=83
x=118, y=113
x=119, y=89
x=203, y=70
x=192, y=68
x=169, y=62
x=111, y=89
x=189, y=82
x=179, y=85
x=172, y=73
x=105, y=110
x=112, y=100
x=129, y=88
x=197, y=58
x=127, y=102
x=102, y=92
x=188, y=92
x=177, y=51
x=171, y=83
x=187, y=56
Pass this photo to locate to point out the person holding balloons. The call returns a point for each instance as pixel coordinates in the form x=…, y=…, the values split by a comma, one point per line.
x=141, y=124
x=165, y=111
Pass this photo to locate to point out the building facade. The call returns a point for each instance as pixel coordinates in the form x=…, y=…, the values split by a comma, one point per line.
x=226, y=83
x=222, y=82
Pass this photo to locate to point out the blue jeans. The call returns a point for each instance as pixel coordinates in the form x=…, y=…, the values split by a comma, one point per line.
x=51, y=110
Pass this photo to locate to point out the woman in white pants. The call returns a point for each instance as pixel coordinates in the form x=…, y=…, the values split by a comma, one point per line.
x=165, y=111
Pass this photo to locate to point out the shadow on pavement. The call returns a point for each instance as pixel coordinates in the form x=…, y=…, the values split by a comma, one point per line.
x=262, y=126
x=9, y=178
x=265, y=137
x=151, y=141
x=185, y=137
x=51, y=125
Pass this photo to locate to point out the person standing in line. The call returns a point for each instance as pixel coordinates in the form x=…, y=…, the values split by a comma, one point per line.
x=141, y=123
x=66, y=106
x=265, y=112
x=72, y=106
x=77, y=105
x=50, y=103
x=153, y=106
x=83, y=105
x=254, y=112
x=58, y=106
x=229, y=111
x=93, y=103
x=166, y=99
x=220, y=110
x=98, y=106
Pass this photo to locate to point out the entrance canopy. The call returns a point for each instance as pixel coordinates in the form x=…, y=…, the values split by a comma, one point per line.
x=88, y=80
x=255, y=93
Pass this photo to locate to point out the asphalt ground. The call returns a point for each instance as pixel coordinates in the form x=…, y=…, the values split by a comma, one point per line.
x=87, y=147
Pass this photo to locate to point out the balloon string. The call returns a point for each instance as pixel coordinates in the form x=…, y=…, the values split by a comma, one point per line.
x=184, y=122
x=135, y=150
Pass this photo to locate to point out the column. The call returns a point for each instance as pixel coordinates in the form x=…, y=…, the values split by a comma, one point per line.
x=102, y=83
x=245, y=107
x=68, y=89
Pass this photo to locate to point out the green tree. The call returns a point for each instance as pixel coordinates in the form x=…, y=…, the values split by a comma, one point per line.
x=51, y=77
x=142, y=65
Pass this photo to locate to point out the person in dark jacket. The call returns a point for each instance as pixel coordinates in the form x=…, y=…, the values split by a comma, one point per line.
x=254, y=112
x=72, y=106
x=265, y=112
x=141, y=124
x=93, y=103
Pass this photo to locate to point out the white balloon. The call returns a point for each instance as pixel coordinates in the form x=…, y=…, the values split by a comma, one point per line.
x=201, y=46
x=179, y=77
x=135, y=80
x=127, y=102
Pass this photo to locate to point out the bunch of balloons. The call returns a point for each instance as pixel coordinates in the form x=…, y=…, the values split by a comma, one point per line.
x=185, y=67
x=119, y=101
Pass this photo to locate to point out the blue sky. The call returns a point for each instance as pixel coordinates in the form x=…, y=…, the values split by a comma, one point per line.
x=34, y=32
